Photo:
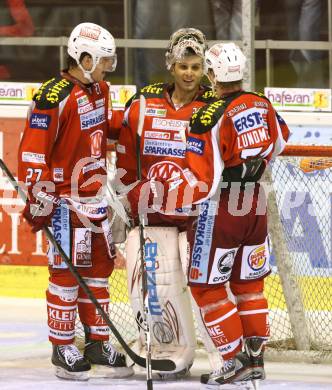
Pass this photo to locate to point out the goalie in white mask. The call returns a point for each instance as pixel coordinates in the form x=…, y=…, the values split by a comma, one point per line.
x=169, y=107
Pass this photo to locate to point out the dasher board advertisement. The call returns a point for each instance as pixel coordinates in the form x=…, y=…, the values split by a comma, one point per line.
x=299, y=99
x=22, y=93
x=17, y=93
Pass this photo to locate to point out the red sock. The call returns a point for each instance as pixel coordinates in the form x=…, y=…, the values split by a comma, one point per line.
x=255, y=318
x=225, y=329
x=89, y=315
x=61, y=316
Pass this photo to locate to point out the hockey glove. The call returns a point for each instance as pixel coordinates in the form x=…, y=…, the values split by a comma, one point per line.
x=147, y=194
x=38, y=210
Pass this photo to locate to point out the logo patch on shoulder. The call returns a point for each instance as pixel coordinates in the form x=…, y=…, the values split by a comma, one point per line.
x=40, y=121
x=195, y=145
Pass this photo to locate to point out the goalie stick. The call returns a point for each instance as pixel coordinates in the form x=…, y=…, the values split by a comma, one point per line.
x=156, y=364
x=141, y=224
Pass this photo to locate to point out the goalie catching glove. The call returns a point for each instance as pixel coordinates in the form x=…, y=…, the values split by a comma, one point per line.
x=38, y=210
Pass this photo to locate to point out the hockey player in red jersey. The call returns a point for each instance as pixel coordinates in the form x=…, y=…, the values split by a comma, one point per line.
x=162, y=150
x=229, y=145
x=62, y=161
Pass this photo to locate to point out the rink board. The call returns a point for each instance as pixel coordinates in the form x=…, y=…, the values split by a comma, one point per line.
x=31, y=282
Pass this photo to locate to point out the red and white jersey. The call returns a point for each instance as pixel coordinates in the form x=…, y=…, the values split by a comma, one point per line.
x=230, y=140
x=163, y=140
x=65, y=136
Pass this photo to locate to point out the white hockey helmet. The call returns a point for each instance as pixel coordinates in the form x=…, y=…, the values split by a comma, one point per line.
x=94, y=40
x=227, y=62
x=182, y=40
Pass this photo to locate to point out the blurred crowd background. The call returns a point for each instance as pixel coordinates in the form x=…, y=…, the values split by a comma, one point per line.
x=282, y=20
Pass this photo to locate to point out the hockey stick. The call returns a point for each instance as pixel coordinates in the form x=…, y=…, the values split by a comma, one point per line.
x=162, y=364
x=141, y=225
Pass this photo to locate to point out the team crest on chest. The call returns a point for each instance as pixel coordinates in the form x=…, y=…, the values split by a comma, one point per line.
x=96, y=140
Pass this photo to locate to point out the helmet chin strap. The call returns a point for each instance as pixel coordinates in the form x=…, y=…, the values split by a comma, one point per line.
x=87, y=73
x=213, y=83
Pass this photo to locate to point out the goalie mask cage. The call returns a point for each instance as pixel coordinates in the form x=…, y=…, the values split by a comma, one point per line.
x=299, y=289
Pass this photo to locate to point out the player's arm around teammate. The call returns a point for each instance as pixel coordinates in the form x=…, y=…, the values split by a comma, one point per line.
x=229, y=144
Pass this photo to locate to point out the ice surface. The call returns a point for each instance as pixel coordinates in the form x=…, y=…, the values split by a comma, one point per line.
x=25, y=360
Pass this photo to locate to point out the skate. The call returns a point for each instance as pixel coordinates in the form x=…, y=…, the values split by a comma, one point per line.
x=234, y=370
x=254, y=349
x=69, y=363
x=107, y=361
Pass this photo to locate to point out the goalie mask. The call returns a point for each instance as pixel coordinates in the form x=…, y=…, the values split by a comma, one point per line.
x=94, y=40
x=183, y=40
x=227, y=62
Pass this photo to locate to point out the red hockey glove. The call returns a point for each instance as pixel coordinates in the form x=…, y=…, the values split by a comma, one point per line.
x=145, y=194
x=38, y=211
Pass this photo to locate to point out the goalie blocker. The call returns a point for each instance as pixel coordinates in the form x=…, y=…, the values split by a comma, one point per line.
x=170, y=314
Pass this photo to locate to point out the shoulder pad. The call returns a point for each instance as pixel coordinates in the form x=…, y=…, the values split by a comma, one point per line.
x=128, y=103
x=149, y=91
x=261, y=95
x=52, y=92
x=153, y=90
x=208, y=96
x=206, y=117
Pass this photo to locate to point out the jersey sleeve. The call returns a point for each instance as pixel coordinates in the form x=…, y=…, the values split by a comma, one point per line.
x=204, y=167
x=115, y=119
x=204, y=161
x=282, y=132
x=36, y=146
x=126, y=147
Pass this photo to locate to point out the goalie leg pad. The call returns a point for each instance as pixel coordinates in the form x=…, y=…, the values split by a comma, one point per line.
x=170, y=315
x=184, y=251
